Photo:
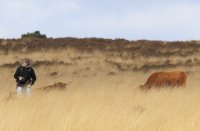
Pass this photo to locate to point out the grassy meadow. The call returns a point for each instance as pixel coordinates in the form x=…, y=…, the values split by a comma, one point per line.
x=103, y=94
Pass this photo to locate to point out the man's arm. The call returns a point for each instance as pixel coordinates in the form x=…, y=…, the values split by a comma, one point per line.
x=16, y=75
x=33, y=76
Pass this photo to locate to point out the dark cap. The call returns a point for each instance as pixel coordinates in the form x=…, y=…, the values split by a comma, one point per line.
x=26, y=62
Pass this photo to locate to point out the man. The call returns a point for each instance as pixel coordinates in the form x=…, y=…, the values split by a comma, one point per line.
x=25, y=77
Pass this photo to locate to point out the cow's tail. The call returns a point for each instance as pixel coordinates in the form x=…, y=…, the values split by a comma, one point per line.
x=187, y=73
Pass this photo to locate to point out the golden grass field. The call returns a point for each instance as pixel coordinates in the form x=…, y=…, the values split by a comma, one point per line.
x=103, y=94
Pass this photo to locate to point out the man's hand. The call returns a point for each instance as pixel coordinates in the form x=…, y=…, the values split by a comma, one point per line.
x=20, y=78
x=31, y=82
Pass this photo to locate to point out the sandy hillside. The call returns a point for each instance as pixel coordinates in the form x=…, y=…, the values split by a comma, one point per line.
x=103, y=95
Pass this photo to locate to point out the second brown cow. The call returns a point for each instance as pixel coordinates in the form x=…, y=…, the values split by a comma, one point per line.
x=166, y=79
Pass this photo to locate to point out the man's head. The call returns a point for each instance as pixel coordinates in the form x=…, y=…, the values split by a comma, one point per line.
x=26, y=62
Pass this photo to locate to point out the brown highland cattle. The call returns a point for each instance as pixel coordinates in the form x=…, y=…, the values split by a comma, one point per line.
x=166, y=79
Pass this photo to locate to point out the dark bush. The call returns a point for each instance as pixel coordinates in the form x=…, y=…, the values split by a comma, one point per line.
x=35, y=34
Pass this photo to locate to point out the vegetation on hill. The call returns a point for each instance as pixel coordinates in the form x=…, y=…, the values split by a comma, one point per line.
x=35, y=34
x=117, y=55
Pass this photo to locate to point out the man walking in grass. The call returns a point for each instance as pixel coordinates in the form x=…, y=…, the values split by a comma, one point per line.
x=25, y=77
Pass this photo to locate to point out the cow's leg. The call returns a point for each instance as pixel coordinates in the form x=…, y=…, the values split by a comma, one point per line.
x=184, y=84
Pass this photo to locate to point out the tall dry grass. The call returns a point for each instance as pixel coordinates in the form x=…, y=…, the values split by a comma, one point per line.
x=103, y=103
x=104, y=94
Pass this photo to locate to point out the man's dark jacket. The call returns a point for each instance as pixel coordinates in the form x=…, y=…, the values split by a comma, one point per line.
x=28, y=75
